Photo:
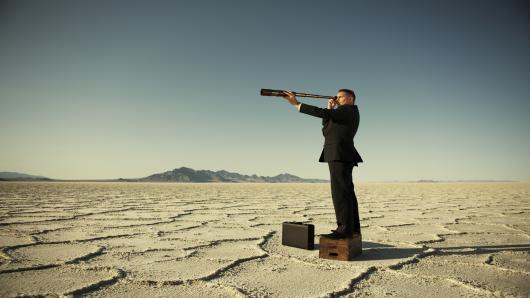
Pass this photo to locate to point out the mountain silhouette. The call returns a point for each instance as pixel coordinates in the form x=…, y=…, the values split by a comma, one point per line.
x=20, y=176
x=182, y=174
x=185, y=174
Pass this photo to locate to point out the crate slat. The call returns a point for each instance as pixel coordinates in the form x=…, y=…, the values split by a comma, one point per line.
x=340, y=249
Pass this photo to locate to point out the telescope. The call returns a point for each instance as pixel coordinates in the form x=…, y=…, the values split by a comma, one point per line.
x=272, y=92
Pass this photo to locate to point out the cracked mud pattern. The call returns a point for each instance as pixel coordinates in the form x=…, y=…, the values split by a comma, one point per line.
x=224, y=240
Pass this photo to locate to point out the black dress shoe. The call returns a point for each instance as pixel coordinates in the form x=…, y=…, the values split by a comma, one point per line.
x=332, y=234
x=336, y=235
x=340, y=235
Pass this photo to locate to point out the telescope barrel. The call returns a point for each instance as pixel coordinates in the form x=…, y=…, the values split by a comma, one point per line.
x=273, y=92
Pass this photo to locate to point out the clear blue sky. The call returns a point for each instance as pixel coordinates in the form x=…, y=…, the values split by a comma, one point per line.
x=107, y=89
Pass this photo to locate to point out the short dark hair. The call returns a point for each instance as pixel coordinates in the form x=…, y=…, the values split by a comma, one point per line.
x=350, y=92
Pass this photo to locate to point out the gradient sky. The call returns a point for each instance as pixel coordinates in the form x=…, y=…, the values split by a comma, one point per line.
x=108, y=89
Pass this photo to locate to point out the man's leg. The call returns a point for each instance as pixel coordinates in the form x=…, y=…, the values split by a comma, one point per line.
x=334, y=191
x=356, y=218
x=343, y=195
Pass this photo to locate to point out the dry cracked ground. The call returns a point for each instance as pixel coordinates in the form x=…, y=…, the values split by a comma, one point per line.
x=224, y=240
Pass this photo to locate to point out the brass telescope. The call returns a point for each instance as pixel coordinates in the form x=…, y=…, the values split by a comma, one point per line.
x=272, y=92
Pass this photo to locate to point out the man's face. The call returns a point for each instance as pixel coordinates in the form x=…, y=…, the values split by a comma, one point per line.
x=344, y=98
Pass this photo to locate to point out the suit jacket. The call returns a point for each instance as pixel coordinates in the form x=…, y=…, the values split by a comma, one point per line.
x=339, y=128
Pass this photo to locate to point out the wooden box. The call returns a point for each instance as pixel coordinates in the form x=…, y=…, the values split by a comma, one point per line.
x=340, y=249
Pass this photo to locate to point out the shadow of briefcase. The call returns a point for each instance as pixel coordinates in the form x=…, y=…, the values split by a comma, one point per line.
x=298, y=234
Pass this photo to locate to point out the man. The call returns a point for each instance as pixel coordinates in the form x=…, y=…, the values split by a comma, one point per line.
x=340, y=122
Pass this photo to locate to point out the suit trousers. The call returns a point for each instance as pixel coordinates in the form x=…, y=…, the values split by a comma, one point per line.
x=343, y=195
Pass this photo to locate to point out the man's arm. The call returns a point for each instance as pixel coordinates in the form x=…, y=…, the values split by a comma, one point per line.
x=337, y=115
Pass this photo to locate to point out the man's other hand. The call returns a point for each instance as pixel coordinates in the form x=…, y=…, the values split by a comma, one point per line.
x=332, y=104
x=289, y=95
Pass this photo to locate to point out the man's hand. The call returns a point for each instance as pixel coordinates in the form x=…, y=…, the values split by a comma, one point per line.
x=332, y=104
x=289, y=95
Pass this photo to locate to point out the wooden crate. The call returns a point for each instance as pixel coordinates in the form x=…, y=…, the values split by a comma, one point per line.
x=340, y=249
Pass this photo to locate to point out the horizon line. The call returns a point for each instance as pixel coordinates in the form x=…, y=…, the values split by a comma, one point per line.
x=420, y=180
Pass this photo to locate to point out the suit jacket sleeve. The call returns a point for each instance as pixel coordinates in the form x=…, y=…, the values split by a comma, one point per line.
x=337, y=115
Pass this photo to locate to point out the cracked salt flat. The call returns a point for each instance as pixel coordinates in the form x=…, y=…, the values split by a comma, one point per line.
x=394, y=283
x=194, y=289
x=219, y=240
x=48, y=254
x=63, y=280
x=474, y=274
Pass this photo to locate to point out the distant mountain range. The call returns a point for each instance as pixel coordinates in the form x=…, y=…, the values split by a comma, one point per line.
x=20, y=176
x=182, y=174
x=185, y=174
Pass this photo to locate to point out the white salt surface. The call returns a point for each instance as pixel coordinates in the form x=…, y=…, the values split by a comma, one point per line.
x=224, y=240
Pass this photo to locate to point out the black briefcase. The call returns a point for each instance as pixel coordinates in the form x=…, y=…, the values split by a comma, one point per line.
x=298, y=234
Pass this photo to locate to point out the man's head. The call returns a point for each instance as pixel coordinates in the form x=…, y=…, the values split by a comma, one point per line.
x=345, y=97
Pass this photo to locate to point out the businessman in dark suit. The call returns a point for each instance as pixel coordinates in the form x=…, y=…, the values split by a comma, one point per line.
x=340, y=122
